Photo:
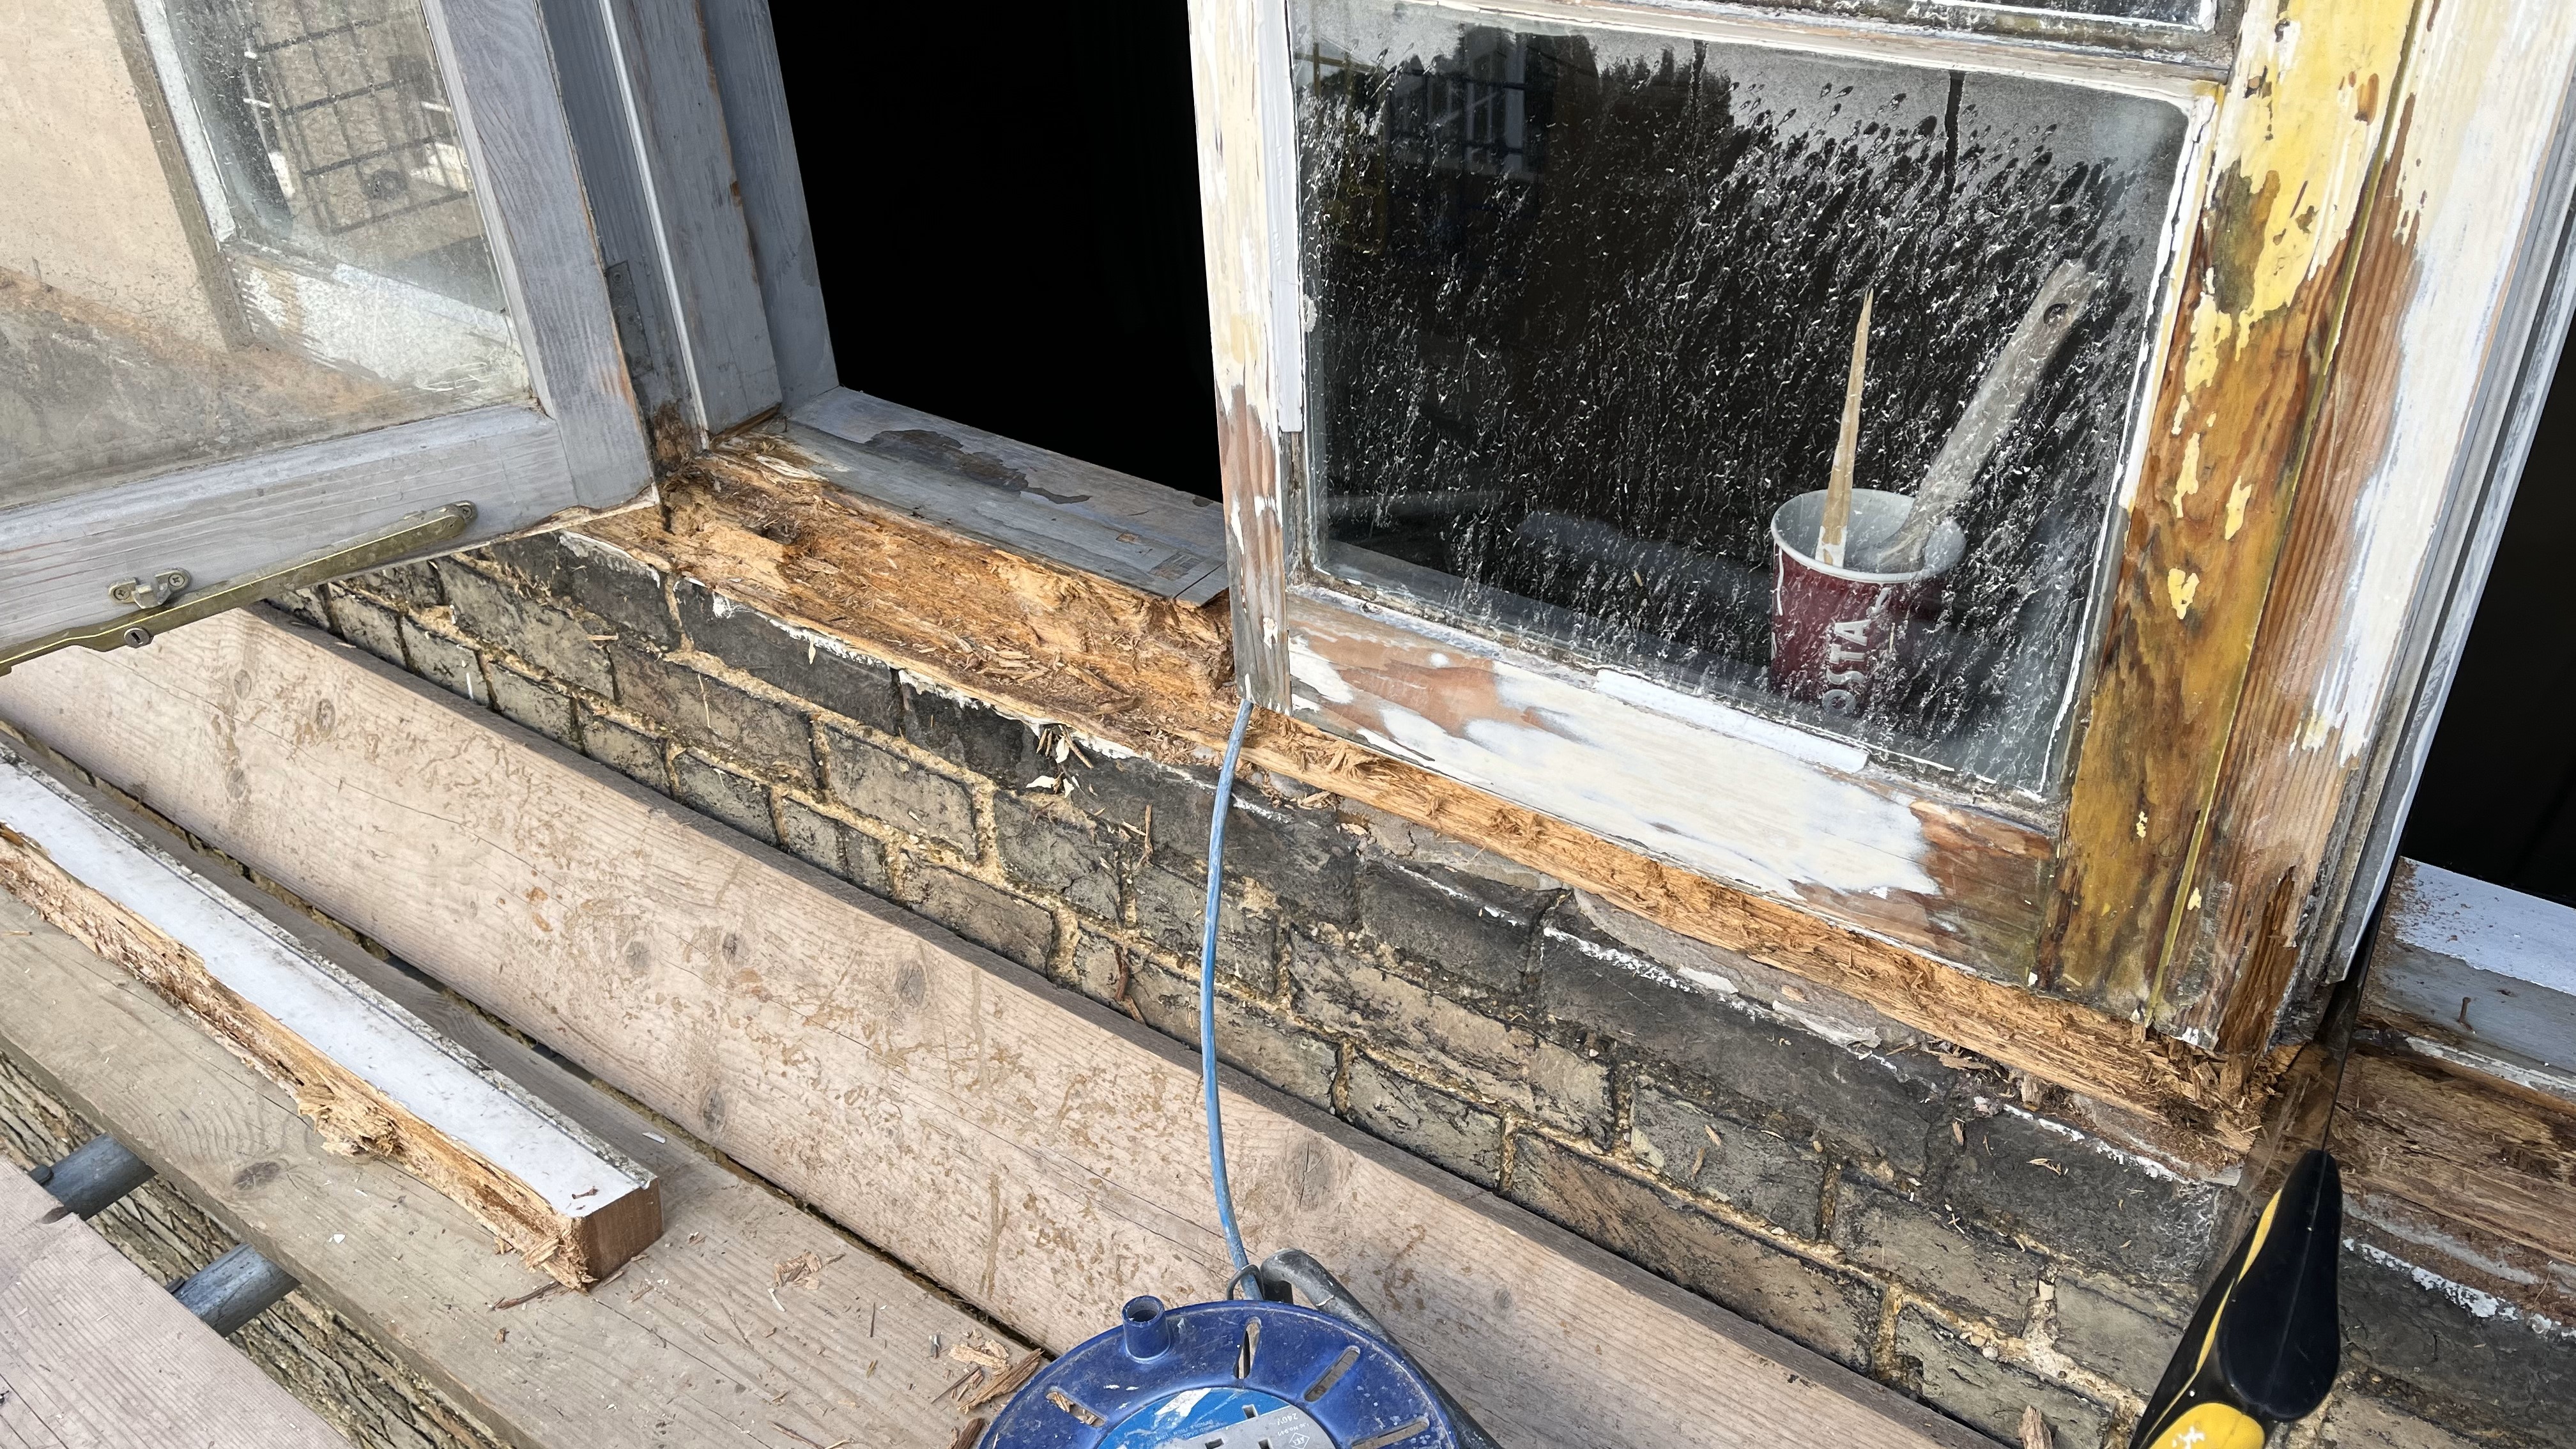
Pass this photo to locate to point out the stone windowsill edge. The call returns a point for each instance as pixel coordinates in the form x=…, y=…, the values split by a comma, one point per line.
x=1053, y=643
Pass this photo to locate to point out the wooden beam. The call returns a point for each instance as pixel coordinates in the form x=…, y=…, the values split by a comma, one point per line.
x=93, y=1355
x=370, y=1075
x=2261, y=305
x=1053, y=643
x=2449, y=321
x=2461, y=1148
x=1030, y=1149
x=698, y=1341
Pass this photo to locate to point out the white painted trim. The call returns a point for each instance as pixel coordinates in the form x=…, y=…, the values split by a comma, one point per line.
x=509, y=111
x=337, y=1015
x=227, y=520
x=2498, y=300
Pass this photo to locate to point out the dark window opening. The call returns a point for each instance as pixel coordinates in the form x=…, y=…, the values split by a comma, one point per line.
x=2498, y=797
x=1013, y=244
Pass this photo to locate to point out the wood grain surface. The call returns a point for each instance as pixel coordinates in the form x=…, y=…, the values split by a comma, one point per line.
x=1033, y=1151
x=371, y=1077
x=93, y=1355
x=750, y=1321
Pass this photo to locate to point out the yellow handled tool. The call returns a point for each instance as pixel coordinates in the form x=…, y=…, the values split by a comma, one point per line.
x=2262, y=1348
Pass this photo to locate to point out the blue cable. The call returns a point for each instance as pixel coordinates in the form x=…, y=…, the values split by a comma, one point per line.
x=1207, y=998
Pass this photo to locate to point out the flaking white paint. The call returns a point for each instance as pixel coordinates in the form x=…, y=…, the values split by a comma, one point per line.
x=2470, y=180
x=340, y=1018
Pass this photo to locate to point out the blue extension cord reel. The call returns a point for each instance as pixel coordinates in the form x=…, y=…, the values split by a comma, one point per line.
x=1261, y=1373
x=1237, y=1374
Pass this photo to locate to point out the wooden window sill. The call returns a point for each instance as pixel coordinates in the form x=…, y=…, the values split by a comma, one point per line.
x=1145, y=671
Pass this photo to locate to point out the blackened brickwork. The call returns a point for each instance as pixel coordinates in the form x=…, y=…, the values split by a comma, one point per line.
x=1882, y=1199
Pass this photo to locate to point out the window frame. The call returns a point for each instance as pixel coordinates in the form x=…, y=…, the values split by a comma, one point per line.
x=2082, y=894
x=576, y=447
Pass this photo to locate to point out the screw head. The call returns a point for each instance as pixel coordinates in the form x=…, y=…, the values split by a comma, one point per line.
x=138, y=636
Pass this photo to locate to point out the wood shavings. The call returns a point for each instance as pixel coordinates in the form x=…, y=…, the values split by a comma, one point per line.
x=528, y=1297
x=974, y=1348
x=2034, y=1429
x=1001, y=1389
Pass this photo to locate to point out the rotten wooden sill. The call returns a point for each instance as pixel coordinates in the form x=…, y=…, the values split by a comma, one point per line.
x=759, y=520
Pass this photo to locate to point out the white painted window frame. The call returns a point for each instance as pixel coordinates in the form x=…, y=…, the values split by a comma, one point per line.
x=577, y=446
x=1716, y=787
x=1817, y=821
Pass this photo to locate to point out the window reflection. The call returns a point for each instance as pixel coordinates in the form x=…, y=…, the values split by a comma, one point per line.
x=1583, y=306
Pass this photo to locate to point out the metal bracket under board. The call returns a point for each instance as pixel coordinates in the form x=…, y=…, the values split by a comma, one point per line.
x=416, y=532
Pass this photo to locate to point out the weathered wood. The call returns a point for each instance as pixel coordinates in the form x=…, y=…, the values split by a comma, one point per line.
x=2461, y=1149
x=742, y=46
x=2478, y=976
x=2295, y=142
x=228, y=520
x=698, y=1341
x=93, y=1355
x=2447, y=325
x=1031, y=1149
x=640, y=94
x=370, y=1075
x=1042, y=504
x=1052, y=643
x=1247, y=198
x=1800, y=817
x=519, y=149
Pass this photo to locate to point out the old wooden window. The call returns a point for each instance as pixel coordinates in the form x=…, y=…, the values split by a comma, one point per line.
x=1535, y=332
x=276, y=275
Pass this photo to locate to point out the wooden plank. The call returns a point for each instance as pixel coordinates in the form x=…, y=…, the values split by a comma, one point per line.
x=2478, y=976
x=1052, y=643
x=1031, y=1149
x=370, y=1075
x=1045, y=505
x=2259, y=311
x=2448, y=323
x=93, y=1355
x=2461, y=1149
x=697, y=1342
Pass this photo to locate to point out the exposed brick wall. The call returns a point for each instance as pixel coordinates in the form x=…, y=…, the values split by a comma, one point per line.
x=1881, y=1198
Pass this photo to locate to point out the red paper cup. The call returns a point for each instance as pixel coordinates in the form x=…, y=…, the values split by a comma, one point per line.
x=1841, y=638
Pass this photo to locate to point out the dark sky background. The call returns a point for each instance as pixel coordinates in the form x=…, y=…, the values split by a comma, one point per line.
x=1005, y=205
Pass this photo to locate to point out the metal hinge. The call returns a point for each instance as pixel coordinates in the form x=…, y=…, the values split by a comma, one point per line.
x=167, y=610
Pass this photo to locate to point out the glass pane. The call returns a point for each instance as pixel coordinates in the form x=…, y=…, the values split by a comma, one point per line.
x=232, y=225
x=1582, y=316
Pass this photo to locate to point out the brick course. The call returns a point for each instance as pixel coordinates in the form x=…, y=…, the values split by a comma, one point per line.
x=1845, y=1187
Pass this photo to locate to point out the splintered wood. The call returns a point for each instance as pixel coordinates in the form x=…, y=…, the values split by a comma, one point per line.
x=371, y=1077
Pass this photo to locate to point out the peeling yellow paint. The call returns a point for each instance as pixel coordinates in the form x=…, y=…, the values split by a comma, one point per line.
x=2285, y=115
x=2187, y=477
x=2236, y=497
x=2194, y=903
x=2180, y=587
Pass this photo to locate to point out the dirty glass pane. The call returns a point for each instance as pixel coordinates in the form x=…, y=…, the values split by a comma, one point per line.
x=231, y=225
x=1581, y=313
